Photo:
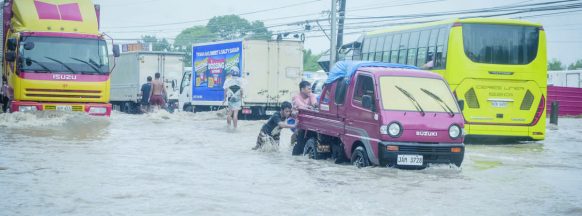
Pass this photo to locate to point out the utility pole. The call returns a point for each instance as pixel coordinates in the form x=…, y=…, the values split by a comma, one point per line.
x=333, y=47
x=340, y=29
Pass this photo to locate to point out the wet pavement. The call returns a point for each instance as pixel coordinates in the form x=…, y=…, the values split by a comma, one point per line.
x=191, y=164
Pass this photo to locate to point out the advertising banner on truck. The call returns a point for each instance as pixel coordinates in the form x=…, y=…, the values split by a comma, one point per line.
x=211, y=64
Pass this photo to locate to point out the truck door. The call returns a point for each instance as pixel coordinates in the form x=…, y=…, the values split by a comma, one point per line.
x=172, y=67
x=362, y=123
x=290, y=61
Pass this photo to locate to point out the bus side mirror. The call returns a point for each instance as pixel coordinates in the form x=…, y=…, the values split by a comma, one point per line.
x=367, y=102
x=115, y=50
x=461, y=104
x=11, y=44
x=29, y=45
x=10, y=56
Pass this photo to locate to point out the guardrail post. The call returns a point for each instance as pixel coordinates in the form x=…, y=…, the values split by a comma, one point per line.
x=554, y=112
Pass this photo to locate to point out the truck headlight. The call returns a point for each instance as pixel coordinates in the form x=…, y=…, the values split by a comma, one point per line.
x=455, y=131
x=26, y=108
x=393, y=129
x=97, y=110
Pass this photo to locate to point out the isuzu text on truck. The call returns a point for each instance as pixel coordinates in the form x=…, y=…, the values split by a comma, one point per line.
x=383, y=114
x=54, y=57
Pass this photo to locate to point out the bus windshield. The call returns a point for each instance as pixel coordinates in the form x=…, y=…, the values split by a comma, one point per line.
x=69, y=55
x=416, y=94
x=500, y=44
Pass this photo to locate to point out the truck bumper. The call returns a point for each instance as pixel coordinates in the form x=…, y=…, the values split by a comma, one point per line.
x=96, y=109
x=441, y=153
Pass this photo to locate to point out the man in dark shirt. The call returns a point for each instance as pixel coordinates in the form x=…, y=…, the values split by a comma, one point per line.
x=271, y=130
x=146, y=88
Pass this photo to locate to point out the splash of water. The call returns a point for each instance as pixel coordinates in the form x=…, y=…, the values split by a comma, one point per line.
x=43, y=119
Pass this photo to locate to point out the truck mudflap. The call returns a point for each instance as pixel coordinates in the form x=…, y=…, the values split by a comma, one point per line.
x=412, y=155
x=95, y=109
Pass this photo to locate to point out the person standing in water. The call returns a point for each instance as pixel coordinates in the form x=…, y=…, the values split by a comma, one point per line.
x=271, y=131
x=233, y=94
x=157, y=93
x=146, y=88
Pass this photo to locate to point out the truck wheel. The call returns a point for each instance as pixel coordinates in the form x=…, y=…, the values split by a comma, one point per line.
x=360, y=157
x=126, y=107
x=188, y=108
x=311, y=149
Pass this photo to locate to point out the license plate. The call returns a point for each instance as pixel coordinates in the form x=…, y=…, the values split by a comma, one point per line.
x=413, y=160
x=499, y=104
x=247, y=111
x=270, y=112
x=64, y=108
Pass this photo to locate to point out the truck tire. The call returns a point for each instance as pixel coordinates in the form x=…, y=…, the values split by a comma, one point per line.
x=188, y=108
x=310, y=149
x=360, y=157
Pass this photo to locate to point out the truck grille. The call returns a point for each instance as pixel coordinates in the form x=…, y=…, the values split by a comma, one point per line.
x=61, y=93
x=424, y=149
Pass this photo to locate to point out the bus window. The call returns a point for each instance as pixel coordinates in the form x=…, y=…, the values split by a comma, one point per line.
x=365, y=56
x=423, y=48
x=431, y=48
x=440, y=51
x=387, y=43
x=412, y=47
x=394, y=50
x=366, y=46
x=373, y=45
x=379, y=48
x=386, y=56
x=500, y=44
x=403, y=48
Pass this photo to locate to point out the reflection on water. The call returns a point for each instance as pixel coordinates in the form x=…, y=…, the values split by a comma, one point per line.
x=192, y=164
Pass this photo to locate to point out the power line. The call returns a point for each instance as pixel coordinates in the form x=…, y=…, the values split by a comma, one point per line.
x=201, y=20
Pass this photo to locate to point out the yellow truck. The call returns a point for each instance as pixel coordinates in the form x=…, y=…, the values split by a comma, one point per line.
x=54, y=58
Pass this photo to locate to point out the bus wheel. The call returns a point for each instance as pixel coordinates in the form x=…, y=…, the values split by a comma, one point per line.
x=360, y=157
x=310, y=149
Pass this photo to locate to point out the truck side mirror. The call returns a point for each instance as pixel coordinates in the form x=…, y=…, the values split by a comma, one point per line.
x=367, y=102
x=11, y=44
x=29, y=45
x=10, y=56
x=115, y=50
x=461, y=104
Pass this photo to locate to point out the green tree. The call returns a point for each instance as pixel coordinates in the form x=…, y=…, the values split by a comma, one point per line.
x=310, y=61
x=192, y=35
x=576, y=65
x=555, y=64
x=157, y=44
x=231, y=27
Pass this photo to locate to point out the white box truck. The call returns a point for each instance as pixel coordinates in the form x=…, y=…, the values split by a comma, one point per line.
x=132, y=71
x=270, y=71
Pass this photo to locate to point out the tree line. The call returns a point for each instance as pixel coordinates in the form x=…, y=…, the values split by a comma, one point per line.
x=228, y=27
x=556, y=64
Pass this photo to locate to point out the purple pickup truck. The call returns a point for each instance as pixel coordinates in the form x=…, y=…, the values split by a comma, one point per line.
x=385, y=115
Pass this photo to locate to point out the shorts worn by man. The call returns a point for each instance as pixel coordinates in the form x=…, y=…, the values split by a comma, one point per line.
x=158, y=92
x=271, y=131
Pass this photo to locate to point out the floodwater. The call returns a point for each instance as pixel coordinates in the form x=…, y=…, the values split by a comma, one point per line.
x=191, y=164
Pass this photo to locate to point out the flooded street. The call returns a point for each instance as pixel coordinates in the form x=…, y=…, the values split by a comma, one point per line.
x=191, y=164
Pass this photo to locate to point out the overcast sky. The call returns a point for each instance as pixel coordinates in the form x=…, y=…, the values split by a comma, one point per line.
x=129, y=19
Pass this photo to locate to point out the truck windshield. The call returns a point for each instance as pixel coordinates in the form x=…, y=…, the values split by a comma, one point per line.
x=428, y=94
x=500, y=44
x=69, y=55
